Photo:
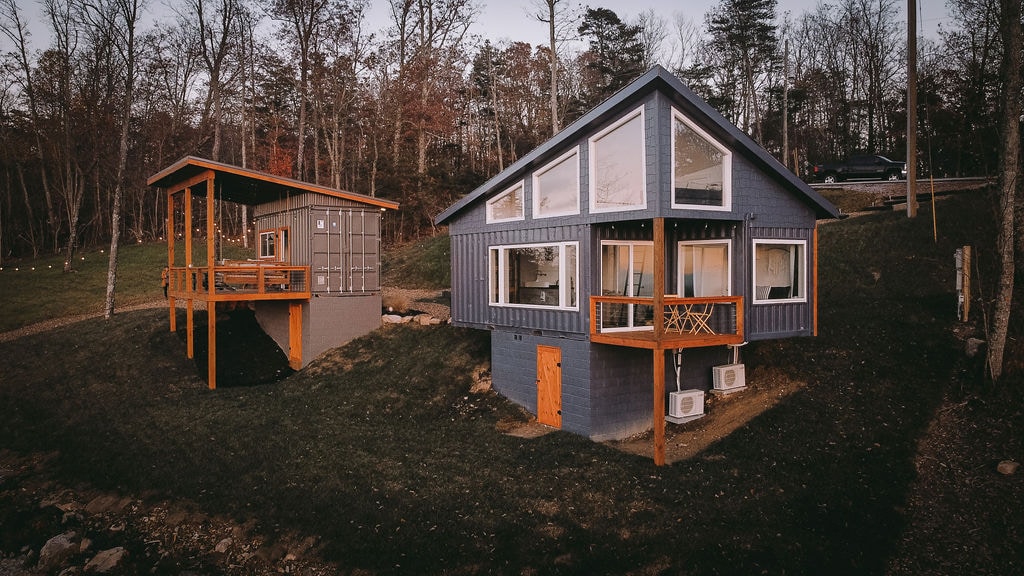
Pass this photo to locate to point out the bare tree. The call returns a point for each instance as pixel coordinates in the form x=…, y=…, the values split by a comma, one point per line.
x=1009, y=181
x=304, y=21
x=653, y=34
x=15, y=30
x=217, y=28
x=555, y=14
x=124, y=15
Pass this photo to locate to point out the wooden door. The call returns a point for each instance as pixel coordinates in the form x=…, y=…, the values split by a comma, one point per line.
x=549, y=386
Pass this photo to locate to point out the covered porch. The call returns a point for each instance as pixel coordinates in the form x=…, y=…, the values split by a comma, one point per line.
x=660, y=322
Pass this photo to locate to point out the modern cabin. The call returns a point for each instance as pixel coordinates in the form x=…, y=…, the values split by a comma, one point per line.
x=314, y=283
x=642, y=243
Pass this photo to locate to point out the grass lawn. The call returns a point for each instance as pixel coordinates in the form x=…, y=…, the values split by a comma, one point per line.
x=883, y=462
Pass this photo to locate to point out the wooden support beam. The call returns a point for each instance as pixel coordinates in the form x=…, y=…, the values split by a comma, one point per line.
x=295, y=335
x=659, y=407
x=814, y=277
x=659, y=278
x=190, y=325
x=659, y=331
x=170, y=258
x=211, y=238
x=211, y=345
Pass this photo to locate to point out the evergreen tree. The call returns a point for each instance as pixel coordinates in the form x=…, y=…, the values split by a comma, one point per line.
x=615, y=57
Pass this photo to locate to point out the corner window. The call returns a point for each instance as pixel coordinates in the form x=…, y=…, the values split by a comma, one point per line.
x=701, y=168
x=780, y=271
x=618, y=166
x=627, y=269
x=704, y=269
x=507, y=206
x=556, y=187
x=539, y=275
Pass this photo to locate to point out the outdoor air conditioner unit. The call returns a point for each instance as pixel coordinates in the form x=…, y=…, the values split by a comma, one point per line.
x=728, y=377
x=686, y=404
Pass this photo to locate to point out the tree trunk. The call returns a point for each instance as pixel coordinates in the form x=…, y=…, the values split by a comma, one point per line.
x=1010, y=29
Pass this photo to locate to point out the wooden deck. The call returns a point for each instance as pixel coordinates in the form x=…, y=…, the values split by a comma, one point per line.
x=237, y=281
x=686, y=322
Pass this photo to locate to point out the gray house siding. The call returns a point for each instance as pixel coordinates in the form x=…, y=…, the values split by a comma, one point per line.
x=607, y=391
x=514, y=372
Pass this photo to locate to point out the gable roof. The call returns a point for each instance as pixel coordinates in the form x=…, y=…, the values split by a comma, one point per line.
x=657, y=78
x=251, y=187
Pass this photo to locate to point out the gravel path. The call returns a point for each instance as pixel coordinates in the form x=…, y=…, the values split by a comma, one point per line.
x=418, y=299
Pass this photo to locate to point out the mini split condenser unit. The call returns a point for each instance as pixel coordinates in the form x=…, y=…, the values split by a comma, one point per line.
x=728, y=377
x=686, y=404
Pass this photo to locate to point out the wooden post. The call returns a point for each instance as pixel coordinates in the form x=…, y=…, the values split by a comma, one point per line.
x=190, y=325
x=211, y=231
x=170, y=259
x=211, y=345
x=967, y=283
x=814, y=278
x=659, y=407
x=659, y=279
x=295, y=335
x=659, y=352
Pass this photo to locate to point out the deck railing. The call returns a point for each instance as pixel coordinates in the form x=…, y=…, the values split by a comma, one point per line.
x=687, y=322
x=248, y=279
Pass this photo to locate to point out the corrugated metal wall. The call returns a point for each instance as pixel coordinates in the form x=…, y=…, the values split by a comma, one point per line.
x=339, y=240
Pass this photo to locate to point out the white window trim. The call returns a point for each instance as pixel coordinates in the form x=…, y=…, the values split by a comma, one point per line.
x=642, y=144
x=535, y=200
x=631, y=243
x=272, y=232
x=564, y=288
x=679, y=257
x=726, y=167
x=522, y=214
x=802, y=280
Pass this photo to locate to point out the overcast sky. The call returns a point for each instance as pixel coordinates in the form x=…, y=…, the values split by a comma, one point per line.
x=511, y=20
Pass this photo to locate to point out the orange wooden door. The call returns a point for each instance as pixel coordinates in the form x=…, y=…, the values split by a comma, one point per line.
x=549, y=386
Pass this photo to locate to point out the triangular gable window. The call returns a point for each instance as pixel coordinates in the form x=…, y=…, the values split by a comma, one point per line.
x=701, y=168
x=507, y=206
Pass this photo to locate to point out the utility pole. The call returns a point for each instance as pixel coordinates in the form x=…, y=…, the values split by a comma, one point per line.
x=785, y=105
x=911, y=108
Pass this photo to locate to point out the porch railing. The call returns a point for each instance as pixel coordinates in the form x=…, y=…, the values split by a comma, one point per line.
x=266, y=280
x=713, y=320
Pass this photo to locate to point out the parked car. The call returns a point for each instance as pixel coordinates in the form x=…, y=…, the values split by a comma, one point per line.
x=872, y=167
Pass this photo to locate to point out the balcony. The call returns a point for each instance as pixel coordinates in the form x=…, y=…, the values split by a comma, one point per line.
x=685, y=322
x=239, y=281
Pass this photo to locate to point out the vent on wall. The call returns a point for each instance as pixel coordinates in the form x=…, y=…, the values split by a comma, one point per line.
x=685, y=405
x=729, y=378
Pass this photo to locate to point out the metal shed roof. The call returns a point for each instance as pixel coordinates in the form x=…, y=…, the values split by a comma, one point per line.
x=657, y=78
x=251, y=187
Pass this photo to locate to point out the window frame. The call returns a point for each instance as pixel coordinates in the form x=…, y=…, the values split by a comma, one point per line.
x=680, y=275
x=630, y=308
x=573, y=153
x=800, y=287
x=281, y=238
x=498, y=197
x=568, y=284
x=272, y=234
x=594, y=140
x=726, y=166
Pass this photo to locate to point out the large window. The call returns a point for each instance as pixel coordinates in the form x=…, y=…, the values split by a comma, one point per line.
x=627, y=269
x=507, y=206
x=780, y=271
x=534, y=275
x=701, y=168
x=617, y=166
x=704, y=268
x=556, y=187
